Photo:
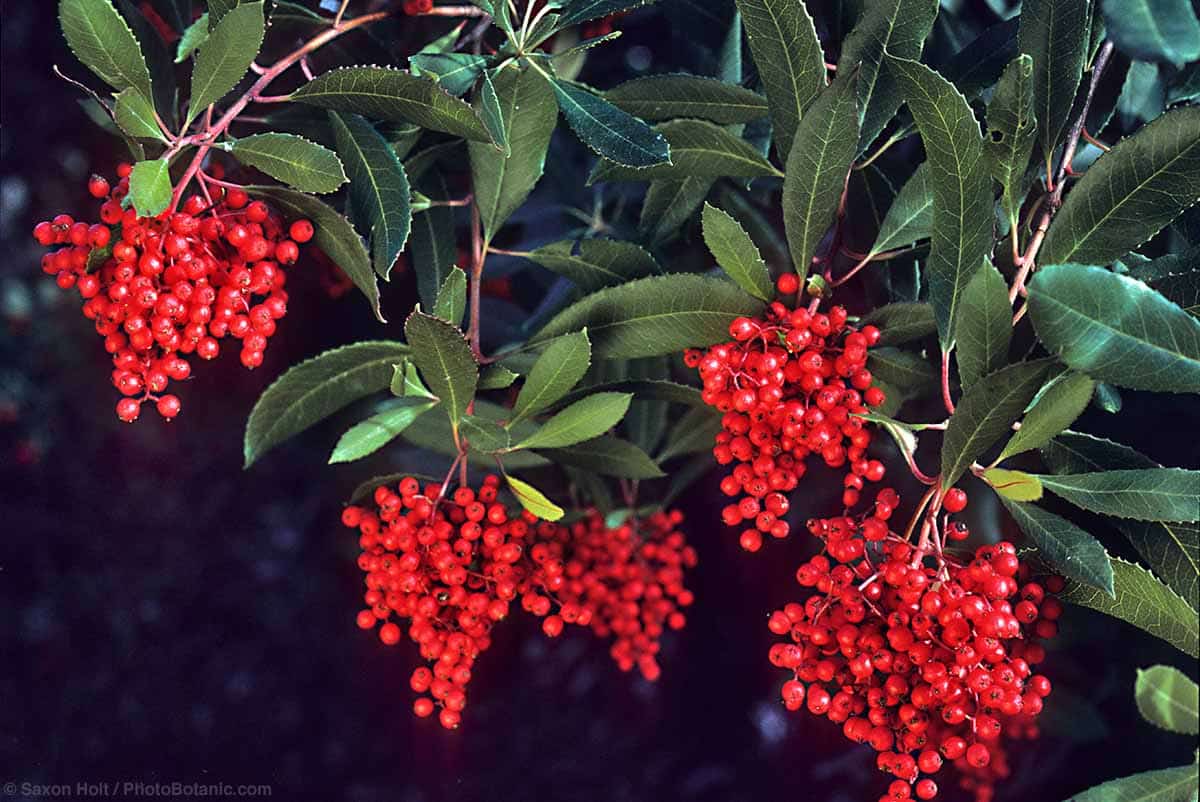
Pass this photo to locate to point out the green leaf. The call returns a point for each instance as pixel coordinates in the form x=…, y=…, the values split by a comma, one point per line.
x=446, y=362
x=292, y=159
x=1129, y=193
x=379, y=93
x=1115, y=329
x=653, y=316
x=1173, y=551
x=577, y=11
x=1162, y=785
x=452, y=297
x=825, y=145
x=1013, y=485
x=698, y=149
x=985, y=413
x=587, y=418
x=903, y=370
x=334, y=236
x=736, y=253
x=195, y=35
x=533, y=500
x=1074, y=452
x=223, y=59
x=501, y=184
x=984, y=329
x=557, y=370
x=434, y=247
x=496, y=377
x=958, y=178
x=902, y=322
x=1168, y=699
x=219, y=8
x=102, y=40
x=1153, y=30
x=315, y=389
x=1146, y=494
x=1012, y=129
x=492, y=115
x=895, y=27
x=599, y=262
x=669, y=204
x=1054, y=33
x=666, y=97
x=134, y=114
x=606, y=455
x=1144, y=602
x=1182, y=289
x=380, y=195
x=407, y=382
x=790, y=62
x=1064, y=546
x=910, y=217
x=619, y=137
x=456, y=72
x=150, y=187
x=1059, y=406
x=694, y=433
x=378, y=430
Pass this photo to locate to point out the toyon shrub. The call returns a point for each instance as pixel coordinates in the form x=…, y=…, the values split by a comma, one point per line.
x=822, y=245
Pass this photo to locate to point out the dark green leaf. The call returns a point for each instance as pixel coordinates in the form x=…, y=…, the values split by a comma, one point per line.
x=978, y=65
x=958, y=178
x=219, y=8
x=790, y=62
x=195, y=35
x=598, y=263
x=1059, y=406
x=606, y=455
x=984, y=328
x=1144, y=602
x=150, y=187
x=334, y=236
x=577, y=11
x=694, y=433
x=386, y=94
x=225, y=56
x=1173, y=551
x=910, y=217
x=668, y=205
x=452, y=297
x=446, y=362
x=736, y=253
x=985, y=413
x=380, y=195
x=456, y=72
x=1012, y=129
x=102, y=40
x=1129, y=193
x=666, y=97
x=378, y=430
x=492, y=115
x=902, y=322
x=316, y=388
x=434, y=247
x=1181, y=288
x=1146, y=494
x=825, y=144
x=292, y=159
x=1167, y=698
x=1054, y=33
x=557, y=370
x=496, y=377
x=897, y=27
x=533, y=499
x=135, y=115
x=1074, y=452
x=1153, y=30
x=1162, y=785
x=1115, y=329
x=903, y=370
x=619, y=137
x=698, y=149
x=653, y=316
x=502, y=183
x=1064, y=546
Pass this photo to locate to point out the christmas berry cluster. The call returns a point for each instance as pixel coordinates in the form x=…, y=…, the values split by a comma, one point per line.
x=927, y=658
x=162, y=288
x=453, y=564
x=789, y=385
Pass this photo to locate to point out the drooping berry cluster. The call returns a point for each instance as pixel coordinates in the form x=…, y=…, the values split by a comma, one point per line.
x=926, y=658
x=452, y=564
x=789, y=385
x=162, y=288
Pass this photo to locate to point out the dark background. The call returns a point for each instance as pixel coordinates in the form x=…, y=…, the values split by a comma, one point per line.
x=165, y=616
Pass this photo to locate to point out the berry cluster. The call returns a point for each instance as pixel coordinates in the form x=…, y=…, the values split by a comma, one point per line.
x=164, y=287
x=927, y=663
x=789, y=385
x=453, y=564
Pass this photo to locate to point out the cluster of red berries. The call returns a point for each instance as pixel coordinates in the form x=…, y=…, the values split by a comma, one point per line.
x=789, y=385
x=453, y=564
x=926, y=658
x=414, y=7
x=169, y=286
